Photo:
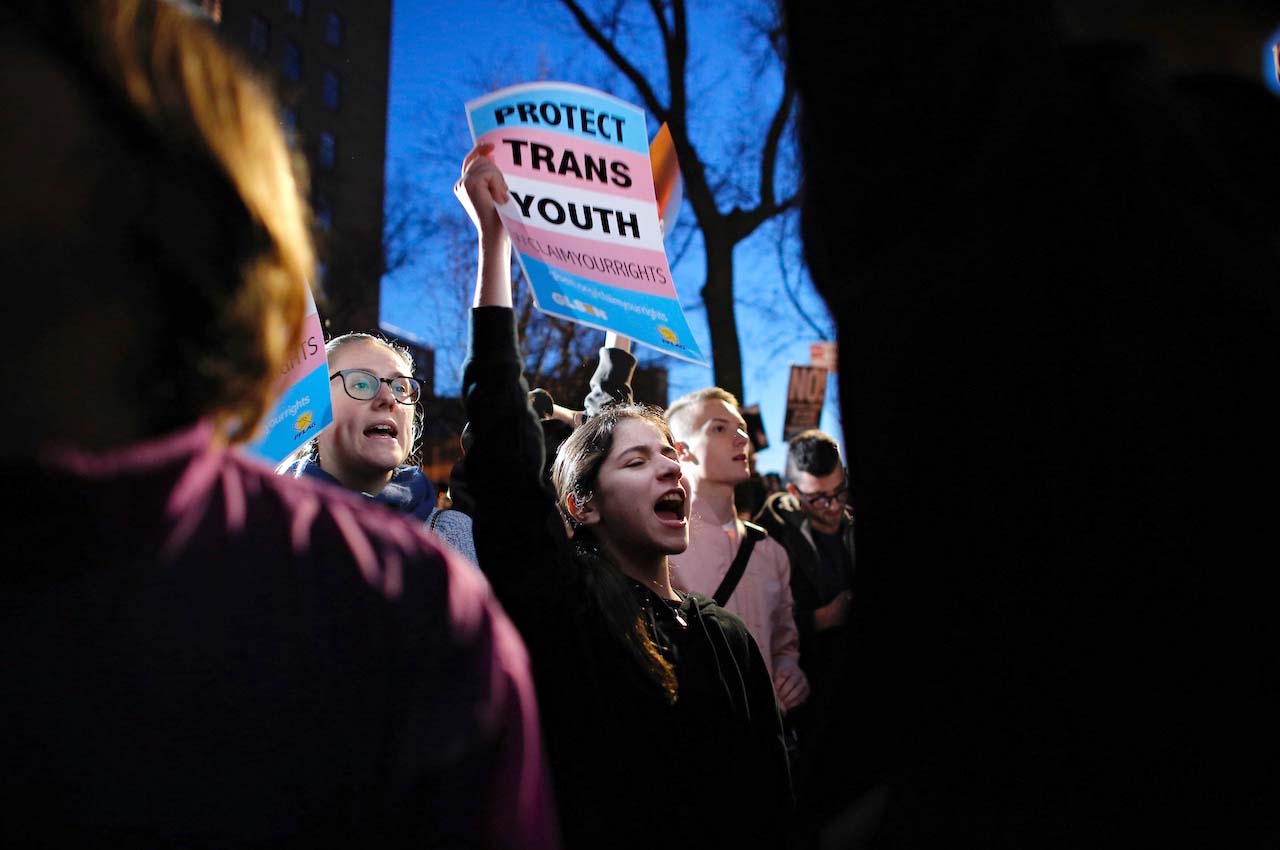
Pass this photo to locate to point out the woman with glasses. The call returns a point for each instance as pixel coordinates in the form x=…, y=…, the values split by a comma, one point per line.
x=373, y=430
x=376, y=422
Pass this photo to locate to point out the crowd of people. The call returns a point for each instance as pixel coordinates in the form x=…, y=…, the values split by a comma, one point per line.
x=588, y=645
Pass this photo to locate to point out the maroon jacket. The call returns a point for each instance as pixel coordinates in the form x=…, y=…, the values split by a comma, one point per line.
x=200, y=653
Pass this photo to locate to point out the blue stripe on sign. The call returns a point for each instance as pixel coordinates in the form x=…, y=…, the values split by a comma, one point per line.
x=653, y=320
x=302, y=413
x=554, y=107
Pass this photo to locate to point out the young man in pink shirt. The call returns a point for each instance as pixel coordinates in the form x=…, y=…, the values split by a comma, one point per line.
x=714, y=450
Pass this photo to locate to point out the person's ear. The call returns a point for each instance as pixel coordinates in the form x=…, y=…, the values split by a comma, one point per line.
x=583, y=511
x=683, y=454
x=791, y=488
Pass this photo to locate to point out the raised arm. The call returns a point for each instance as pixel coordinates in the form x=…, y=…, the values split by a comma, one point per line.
x=481, y=189
x=517, y=532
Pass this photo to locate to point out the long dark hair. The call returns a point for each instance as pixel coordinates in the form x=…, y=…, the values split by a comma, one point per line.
x=576, y=473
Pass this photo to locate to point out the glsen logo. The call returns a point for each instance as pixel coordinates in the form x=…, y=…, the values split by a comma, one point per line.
x=303, y=423
x=579, y=305
x=668, y=335
x=291, y=410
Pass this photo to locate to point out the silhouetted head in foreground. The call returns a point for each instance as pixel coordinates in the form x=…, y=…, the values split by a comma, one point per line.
x=153, y=240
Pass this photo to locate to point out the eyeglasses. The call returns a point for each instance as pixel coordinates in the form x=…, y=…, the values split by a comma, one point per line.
x=363, y=385
x=825, y=500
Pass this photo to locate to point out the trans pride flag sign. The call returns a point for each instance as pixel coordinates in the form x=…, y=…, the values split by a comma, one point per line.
x=304, y=408
x=583, y=217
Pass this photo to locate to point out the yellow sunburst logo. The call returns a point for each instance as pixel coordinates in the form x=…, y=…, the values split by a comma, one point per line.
x=668, y=334
x=303, y=423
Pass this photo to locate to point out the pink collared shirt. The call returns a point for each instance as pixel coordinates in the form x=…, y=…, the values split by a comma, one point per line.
x=762, y=598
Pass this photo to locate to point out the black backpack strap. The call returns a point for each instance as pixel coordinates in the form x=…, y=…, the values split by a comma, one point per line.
x=739, y=565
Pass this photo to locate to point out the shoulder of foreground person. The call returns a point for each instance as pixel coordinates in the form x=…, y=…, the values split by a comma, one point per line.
x=320, y=610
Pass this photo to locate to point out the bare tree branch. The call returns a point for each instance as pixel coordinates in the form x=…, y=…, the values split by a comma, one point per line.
x=675, y=256
x=660, y=16
x=769, y=155
x=677, y=56
x=622, y=63
x=744, y=222
x=785, y=268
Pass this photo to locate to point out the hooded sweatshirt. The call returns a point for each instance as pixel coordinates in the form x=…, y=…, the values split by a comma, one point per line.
x=408, y=491
x=630, y=768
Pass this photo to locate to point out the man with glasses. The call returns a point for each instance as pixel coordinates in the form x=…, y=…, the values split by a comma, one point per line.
x=814, y=523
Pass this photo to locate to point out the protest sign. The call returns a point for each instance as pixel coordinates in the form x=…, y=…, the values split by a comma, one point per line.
x=806, y=392
x=823, y=354
x=304, y=408
x=583, y=216
x=668, y=183
x=755, y=427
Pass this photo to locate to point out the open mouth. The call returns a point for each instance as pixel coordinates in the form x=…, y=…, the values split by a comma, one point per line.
x=382, y=429
x=670, y=507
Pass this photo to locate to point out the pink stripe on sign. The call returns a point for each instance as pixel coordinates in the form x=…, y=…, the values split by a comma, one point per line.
x=637, y=269
x=597, y=166
x=308, y=356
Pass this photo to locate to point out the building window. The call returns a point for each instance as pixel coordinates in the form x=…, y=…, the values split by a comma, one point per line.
x=297, y=8
x=259, y=35
x=292, y=61
x=331, y=90
x=328, y=155
x=333, y=29
x=324, y=212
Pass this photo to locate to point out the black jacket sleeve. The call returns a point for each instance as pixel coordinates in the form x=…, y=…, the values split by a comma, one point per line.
x=518, y=533
x=612, y=379
x=768, y=754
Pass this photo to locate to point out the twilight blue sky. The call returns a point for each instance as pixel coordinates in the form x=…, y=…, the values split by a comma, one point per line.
x=444, y=54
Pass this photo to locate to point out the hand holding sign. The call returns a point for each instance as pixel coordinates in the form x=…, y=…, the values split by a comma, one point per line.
x=582, y=214
x=481, y=190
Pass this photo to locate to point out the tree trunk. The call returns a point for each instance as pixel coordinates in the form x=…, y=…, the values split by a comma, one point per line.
x=717, y=295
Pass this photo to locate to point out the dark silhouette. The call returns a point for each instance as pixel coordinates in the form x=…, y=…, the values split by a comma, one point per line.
x=196, y=652
x=1050, y=240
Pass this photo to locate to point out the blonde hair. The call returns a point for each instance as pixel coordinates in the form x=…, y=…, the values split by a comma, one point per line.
x=680, y=411
x=217, y=194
